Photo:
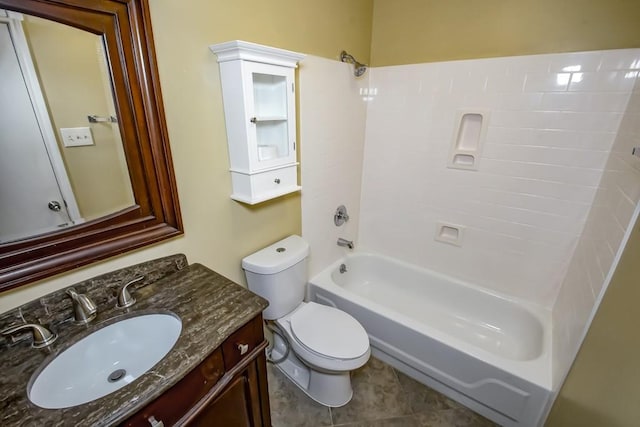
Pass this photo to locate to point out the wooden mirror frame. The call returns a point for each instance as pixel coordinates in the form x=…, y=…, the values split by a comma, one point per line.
x=125, y=26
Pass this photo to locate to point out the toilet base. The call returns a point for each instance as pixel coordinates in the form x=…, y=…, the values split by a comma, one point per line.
x=328, y=389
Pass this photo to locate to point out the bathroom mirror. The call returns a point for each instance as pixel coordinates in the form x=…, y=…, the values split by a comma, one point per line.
x=62, y=160
x=83, y=134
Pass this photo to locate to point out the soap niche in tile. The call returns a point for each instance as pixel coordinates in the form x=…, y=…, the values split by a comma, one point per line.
x=449, y=233
x=468, y=139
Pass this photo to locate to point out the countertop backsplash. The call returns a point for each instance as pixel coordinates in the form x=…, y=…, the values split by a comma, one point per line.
x=54, y=310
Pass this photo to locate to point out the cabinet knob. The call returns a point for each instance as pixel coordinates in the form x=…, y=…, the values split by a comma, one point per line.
x=277, y=180
x=155, y=423
x=243, y=348
x=253, y=119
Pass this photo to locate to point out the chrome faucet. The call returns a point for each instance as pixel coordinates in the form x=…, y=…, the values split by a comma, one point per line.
x=124, y=297
x=341, y=216
x=84, y=309
x=345, y=243
x=42, y=336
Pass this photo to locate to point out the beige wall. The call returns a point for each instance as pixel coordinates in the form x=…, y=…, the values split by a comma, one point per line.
x=72, y=70
x=414, y=31
x=219, y=231
x=603, y=385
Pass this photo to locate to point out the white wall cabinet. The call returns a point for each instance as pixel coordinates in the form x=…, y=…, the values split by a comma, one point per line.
x=258, y=91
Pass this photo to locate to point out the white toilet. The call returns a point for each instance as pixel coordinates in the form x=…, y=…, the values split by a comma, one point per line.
x=319, y=345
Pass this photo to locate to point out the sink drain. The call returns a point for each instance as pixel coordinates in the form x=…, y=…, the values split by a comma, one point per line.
x=116, y=375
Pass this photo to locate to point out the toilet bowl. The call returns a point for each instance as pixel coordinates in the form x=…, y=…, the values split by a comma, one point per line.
x=315, y=346
x=326, y=338
x=324, y=349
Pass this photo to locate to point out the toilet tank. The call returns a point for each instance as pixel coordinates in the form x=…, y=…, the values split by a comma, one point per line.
x=278, y=273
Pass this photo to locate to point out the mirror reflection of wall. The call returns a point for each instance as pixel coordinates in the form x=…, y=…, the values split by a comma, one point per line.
x=72, y=79
x=73, y=71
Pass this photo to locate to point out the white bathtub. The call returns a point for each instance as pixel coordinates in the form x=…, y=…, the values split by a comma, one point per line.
x=486, y=351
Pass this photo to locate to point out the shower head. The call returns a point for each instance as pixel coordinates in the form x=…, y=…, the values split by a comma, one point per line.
x=359, y=68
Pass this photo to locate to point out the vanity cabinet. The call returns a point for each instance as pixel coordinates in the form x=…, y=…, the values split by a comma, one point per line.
x=228, y=389
x=258, y=91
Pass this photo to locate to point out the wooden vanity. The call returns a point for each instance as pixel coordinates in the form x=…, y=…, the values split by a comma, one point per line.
x=228, y=389
x=215, y=374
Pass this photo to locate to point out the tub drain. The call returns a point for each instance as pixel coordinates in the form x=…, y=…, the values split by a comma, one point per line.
x=116, y=375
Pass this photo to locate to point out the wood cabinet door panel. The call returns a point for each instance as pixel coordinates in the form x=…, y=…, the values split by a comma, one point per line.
x=228, y=389
x=180, y=398
x=230, y=409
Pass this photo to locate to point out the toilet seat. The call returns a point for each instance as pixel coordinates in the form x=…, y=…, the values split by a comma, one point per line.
x=328, y=332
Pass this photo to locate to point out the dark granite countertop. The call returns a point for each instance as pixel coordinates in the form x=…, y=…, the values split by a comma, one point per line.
x=210, y=306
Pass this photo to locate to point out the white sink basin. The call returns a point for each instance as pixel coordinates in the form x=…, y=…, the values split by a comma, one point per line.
x=104, y=361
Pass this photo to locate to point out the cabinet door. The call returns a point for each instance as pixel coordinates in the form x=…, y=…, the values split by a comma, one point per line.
x=174, y=403
x=238, y=405
x=271, y=127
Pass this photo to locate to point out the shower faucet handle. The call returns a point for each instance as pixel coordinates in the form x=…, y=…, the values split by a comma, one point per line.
x=341, y=216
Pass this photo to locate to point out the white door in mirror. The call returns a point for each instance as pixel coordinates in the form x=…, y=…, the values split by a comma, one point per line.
x=27, y=176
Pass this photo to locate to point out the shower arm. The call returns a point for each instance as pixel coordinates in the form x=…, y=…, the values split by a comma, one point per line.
x=349, y=59
x=345, y=57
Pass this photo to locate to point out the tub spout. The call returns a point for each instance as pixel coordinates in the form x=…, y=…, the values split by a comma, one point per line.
x=345, y=243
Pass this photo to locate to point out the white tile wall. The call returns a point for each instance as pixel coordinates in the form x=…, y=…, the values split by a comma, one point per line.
x=554, y=120
x=610, y=218
x=332, y=117
x=546, y=214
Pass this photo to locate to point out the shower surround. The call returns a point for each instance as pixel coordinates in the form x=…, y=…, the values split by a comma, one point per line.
x=553, y=122
x=555, y=174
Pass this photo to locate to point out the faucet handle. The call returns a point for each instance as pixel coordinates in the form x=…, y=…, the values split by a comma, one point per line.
x=42, y=336
x=124, y=296
x=341, y=216
x=84, y=309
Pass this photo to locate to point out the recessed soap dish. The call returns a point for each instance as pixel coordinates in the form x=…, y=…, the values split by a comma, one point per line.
x=449, y=233
x=464, y=160
x=468, y=138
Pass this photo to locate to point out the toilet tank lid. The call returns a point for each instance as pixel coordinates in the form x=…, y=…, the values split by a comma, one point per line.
x=278, y=256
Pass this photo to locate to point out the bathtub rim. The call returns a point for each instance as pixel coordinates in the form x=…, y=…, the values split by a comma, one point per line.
x=537, y=371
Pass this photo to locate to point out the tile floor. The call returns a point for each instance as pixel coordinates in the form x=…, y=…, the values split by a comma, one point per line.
x=382, y=397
